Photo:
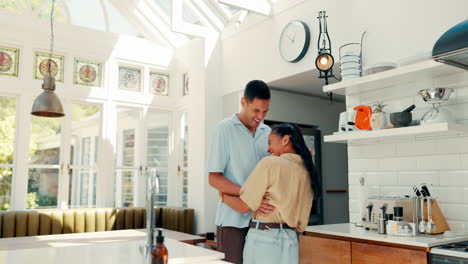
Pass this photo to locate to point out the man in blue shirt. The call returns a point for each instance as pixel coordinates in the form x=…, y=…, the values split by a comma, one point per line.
x=238, y=144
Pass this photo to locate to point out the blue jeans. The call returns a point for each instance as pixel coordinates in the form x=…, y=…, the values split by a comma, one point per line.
x=276, y=245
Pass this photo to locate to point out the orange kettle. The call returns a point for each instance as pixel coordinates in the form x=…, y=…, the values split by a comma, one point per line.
x=363, y=117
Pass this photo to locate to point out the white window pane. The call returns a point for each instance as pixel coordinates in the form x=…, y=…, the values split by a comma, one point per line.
x=128, y=120
x=7, y=129
x=86, y=121
x=44, y=145
x=42, y=188
x=127, y=123
x=7, y=148
x=184, y=142
x=83, y=188
x=5, y=188
x=157, y=150
x=126, y=184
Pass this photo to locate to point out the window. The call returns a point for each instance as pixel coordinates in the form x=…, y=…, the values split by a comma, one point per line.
x=7, y=145
x=157, y=152
x=85, y=125
x=183, y=170
x=127, y=167
x=44, y=160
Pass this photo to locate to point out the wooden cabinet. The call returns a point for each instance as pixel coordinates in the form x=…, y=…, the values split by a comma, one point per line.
x=363, y=253
x=316, y=250
x=341, y=250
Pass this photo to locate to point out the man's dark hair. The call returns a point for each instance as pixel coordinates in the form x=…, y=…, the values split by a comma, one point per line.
x=256, y=89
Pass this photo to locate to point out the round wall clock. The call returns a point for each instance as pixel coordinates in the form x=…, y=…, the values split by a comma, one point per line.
x=294, y=41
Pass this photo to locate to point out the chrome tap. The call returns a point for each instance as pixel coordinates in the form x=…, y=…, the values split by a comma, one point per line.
x=152, y=188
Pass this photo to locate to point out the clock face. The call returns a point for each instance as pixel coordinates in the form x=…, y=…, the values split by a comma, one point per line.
x=294, y=41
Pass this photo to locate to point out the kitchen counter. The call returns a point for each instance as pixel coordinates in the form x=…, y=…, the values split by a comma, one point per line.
x=76, y=239
x=348, y=230
x=117, y=247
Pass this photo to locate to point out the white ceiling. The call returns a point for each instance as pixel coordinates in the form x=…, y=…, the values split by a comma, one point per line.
x=306, y=83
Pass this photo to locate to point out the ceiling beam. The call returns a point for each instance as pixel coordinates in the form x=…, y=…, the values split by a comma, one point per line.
x=262, y=7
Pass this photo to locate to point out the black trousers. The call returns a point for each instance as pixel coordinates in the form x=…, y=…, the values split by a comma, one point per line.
x=231, y=242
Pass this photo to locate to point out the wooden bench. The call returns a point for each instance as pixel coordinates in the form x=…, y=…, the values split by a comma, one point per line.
x=64, y=221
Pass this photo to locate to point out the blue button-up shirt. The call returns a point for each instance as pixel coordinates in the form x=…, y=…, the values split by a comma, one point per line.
x=235, y=152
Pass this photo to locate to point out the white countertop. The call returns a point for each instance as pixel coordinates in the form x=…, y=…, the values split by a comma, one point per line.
x=351, y=231
x=76, y=239
x=119, y=247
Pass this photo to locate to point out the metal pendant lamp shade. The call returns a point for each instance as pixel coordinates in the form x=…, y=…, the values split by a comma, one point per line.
x=47, y=104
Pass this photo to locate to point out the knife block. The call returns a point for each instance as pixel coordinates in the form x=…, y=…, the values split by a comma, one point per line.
x=437, y=217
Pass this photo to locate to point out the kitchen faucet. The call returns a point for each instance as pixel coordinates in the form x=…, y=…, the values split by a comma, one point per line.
x=152, y=188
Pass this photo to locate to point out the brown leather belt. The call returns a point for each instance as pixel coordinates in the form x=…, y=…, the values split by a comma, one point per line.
x=267, y=226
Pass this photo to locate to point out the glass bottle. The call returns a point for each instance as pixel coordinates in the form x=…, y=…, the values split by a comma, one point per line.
x=159, y=253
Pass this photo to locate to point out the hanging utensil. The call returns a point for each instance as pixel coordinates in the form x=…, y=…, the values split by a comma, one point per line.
x=431, y=227
x=422, y=223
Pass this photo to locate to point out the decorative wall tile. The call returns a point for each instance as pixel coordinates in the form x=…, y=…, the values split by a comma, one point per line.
x=45, y=64
x=9, y=60
x=87, y=73
x=159, y=83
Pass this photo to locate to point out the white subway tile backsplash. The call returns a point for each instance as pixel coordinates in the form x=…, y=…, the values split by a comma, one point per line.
x=374, y=191
x=424, y=147
x=453, y=178
x=353, y=178
x=417, y=177
x=398, y=164
x=465, y=195
x=358, y=165
x=354, y=217
x=452, y=145
x=439, y=162
x=396, y=190
x=456, y=225
x=381, y=178
x=371, y=151
x=353, y=192
x=447, y=194
x=464, y=161
x=354, y=206
x=457, y=212
x=392, y=168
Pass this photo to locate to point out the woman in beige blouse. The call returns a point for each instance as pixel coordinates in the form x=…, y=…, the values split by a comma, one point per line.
x=290, y=179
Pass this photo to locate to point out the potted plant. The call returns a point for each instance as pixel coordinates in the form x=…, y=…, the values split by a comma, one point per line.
x=379, y=117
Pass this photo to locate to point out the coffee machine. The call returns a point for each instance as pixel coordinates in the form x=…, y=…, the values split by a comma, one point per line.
x=376, y=207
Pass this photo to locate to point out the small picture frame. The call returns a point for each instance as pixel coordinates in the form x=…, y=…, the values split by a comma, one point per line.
x=129, y=79
x=9, y=60
x=44, y=61
x=159, y=83
x=186, y=84
x=87, y=73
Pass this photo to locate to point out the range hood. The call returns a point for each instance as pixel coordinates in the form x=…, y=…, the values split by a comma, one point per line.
x=452, y=47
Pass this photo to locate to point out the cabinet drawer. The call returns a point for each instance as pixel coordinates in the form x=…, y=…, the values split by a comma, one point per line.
x=373, y=254
x=316, y=250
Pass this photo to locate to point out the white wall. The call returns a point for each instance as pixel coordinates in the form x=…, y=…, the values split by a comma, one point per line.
x=395, y=30
x=205, y=110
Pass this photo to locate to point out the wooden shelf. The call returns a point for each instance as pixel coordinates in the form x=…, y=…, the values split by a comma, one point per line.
x=392, y=133
x=424, y=70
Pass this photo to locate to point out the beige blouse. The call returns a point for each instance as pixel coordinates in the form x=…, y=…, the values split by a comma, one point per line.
x=288, y=184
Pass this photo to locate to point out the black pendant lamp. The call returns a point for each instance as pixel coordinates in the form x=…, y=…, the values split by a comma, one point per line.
x=47, y=104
